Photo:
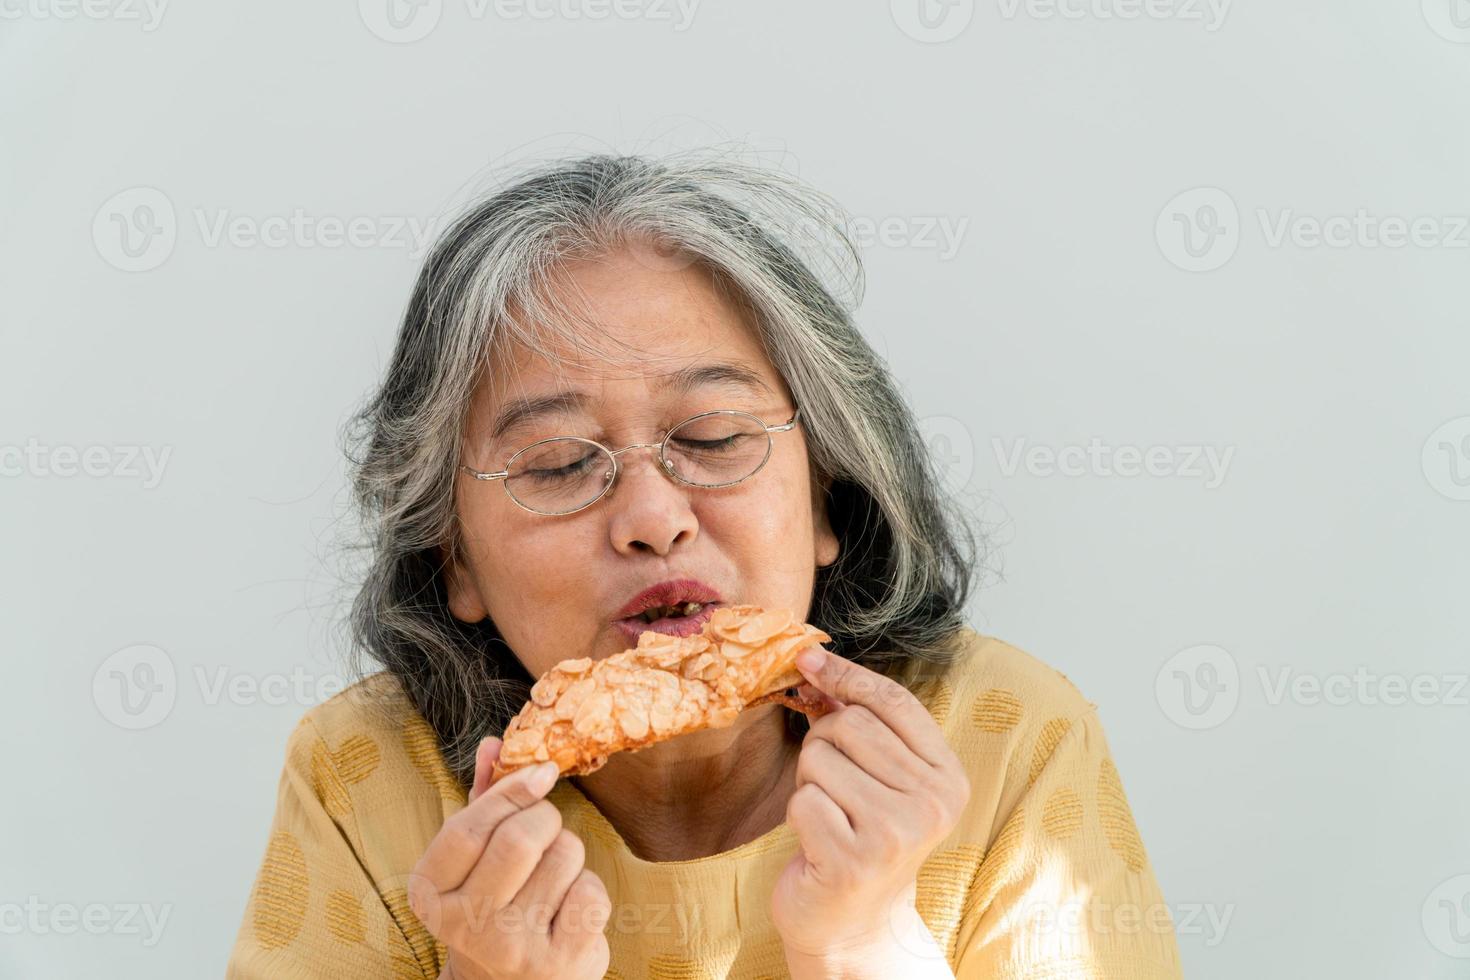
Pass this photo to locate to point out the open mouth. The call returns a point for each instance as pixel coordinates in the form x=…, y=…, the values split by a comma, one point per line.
x=654, y=613
x=681, y=619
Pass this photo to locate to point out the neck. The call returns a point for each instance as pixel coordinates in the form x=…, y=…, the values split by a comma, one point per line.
x=702, y=793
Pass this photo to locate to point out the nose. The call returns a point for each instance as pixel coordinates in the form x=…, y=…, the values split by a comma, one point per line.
x=649, y=511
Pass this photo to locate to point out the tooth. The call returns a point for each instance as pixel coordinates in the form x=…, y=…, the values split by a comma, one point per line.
x=690, y=608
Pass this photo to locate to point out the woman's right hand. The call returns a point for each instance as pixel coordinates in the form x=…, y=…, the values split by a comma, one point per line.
x=503, y=885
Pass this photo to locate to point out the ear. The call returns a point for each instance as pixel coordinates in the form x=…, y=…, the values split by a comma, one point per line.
x=465, y=602
x=824, y=538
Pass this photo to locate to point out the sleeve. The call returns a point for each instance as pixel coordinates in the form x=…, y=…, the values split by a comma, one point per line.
x=315, y=910
x=1065, y=888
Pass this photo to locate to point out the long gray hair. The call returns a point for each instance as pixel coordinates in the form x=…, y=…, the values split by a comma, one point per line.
x=897, y=593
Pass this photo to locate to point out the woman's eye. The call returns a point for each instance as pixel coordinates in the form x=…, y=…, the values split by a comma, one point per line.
x=558, y=473
x=708, y=445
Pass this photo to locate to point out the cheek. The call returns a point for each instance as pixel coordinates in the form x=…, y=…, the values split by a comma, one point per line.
x=771, y=521
x=520, y=564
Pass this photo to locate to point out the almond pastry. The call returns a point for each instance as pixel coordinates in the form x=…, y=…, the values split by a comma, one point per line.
x=582, y=711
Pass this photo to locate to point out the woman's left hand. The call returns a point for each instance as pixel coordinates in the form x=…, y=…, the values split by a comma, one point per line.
x=878, y=788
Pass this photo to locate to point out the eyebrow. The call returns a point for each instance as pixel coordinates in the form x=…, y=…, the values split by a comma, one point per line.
x=521, y=410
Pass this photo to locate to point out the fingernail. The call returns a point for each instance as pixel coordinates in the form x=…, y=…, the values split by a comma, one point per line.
x=809, y=660
x=542, y=779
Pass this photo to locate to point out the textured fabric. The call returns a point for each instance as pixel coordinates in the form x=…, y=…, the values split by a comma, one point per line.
x=1043, y=878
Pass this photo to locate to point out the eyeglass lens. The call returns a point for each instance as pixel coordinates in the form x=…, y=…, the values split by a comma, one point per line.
x=562, y=475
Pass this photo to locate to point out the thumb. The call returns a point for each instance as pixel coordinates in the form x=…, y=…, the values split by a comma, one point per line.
x=485, y=756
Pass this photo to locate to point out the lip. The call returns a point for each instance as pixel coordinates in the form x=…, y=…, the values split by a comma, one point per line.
x=687, y=626
x=667, y=594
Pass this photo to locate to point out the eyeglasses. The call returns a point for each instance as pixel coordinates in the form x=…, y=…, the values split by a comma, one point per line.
x=565, y=474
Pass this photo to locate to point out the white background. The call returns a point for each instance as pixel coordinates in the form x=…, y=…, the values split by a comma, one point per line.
x=1057, y=139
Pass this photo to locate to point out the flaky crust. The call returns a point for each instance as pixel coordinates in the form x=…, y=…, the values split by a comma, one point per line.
x=582, y=711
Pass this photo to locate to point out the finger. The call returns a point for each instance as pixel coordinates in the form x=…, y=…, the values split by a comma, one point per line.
x=514, y=850
x=456, y=849
x=485, y=756
x=872, y=745
x=809, y=693
x=584, y=912
x=853, y=683
x=547, y=886
x=861, y=797
x=822, y=829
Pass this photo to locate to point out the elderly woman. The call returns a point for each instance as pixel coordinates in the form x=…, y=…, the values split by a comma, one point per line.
x=530, y=470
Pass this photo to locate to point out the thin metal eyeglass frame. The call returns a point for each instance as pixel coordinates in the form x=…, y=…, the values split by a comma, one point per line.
x=668, y=467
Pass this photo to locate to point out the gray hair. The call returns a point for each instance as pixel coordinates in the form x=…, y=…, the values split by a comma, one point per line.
x=895, y=597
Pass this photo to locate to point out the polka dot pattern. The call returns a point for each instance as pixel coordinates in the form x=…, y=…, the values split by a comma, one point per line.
x=1005, y=852
x=996, y=711
x=1117, y=818
x=423, y=751
x=938, y=698
x=280, y=893
x=1047, y=741
x=344, y=916
x=1061, y=817
x=668, y=966
x=939, y=897
x=412, y=939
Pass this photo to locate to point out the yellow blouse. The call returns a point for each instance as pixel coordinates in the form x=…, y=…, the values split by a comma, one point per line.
x=1044, y=876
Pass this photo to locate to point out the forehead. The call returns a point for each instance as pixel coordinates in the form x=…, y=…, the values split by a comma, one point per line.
x=653, y=331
